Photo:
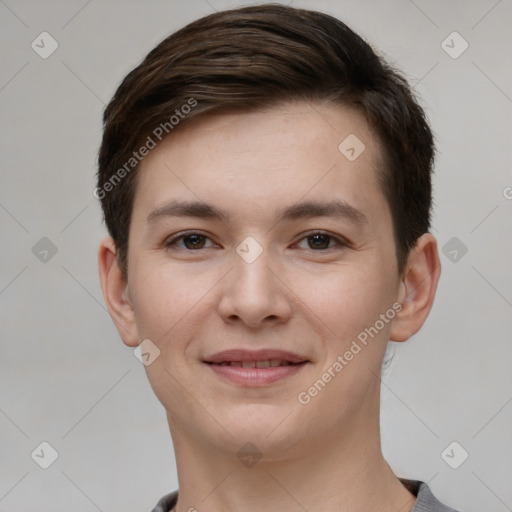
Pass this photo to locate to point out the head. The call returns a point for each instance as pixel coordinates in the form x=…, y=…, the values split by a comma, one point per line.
x=216, y=64
x=253, y=112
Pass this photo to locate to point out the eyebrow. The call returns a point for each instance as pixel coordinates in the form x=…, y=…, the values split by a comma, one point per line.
x=303, y=210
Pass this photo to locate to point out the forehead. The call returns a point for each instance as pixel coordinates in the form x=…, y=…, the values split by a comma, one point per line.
x=286, y=126
x=297, y=150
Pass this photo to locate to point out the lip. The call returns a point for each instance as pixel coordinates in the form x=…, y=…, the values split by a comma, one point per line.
x=255, y=377
x=255, y=355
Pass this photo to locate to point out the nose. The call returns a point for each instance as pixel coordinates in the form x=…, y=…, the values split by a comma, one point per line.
x=254, y=293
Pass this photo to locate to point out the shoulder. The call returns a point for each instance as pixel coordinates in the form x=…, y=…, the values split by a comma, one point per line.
x=166, y=503
x=425, y=499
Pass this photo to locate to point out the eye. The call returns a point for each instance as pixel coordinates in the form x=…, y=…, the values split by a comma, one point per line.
x=191, y=240
x=317, y=241
x=320, y=241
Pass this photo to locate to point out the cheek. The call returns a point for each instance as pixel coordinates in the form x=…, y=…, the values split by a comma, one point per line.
x=346, y=300
x=166, y=303
x=350, y=304
x=163, y=297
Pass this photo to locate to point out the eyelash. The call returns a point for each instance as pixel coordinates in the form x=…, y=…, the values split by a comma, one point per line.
x=340, y=242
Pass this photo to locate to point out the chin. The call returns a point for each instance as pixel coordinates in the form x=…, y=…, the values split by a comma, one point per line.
x=271, y=429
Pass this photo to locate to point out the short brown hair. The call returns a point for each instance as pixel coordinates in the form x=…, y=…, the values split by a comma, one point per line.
x=253, y=58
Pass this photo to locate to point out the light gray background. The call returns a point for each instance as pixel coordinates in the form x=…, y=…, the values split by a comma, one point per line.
x=65, y=376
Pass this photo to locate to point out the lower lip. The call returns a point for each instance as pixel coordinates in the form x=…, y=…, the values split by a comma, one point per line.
x=256, y=376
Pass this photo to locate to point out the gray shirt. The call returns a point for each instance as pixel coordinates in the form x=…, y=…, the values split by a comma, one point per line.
x=425, y=500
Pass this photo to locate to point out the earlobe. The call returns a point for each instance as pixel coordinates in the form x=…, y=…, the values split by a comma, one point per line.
x=417, y=289
x=116, y=293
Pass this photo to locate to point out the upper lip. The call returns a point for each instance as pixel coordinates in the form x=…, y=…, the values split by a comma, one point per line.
x=254, y=355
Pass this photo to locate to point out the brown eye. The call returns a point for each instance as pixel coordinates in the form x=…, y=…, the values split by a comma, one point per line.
x=191, y=241
x=319, y=241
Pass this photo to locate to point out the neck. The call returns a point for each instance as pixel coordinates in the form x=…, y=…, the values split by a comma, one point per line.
x=343, y=471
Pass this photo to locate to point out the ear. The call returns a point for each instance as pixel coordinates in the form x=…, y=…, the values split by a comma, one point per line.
x=418, y=288
x=116, y=293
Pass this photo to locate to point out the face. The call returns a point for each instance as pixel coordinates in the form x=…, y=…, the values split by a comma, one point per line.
x=278, y=277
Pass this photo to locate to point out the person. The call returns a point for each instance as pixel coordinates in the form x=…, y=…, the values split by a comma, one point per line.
x=265, y=178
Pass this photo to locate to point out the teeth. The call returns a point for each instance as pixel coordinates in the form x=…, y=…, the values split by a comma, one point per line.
x=267, y=363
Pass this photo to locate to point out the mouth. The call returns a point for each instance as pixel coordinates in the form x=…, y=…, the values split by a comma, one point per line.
x=255, y=368
x=267, y=363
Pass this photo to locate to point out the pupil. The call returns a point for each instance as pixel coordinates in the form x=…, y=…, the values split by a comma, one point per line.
x=194, y=243
x=319, y=237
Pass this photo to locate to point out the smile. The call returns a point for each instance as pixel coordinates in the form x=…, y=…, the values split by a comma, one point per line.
x=256, y=373
x=268, y=363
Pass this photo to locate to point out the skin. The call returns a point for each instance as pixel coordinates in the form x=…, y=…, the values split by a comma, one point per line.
x=191, y=303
